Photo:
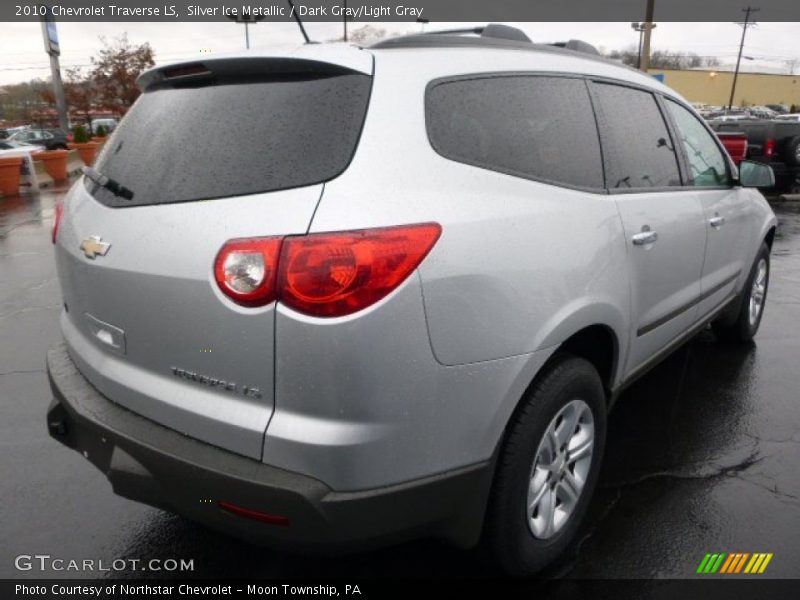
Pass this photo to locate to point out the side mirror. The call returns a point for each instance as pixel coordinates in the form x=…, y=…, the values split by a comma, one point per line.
x=754, y=174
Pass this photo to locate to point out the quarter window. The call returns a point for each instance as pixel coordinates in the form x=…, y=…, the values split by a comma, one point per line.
x=637, y=147
x=707, y=164
x=530, y=126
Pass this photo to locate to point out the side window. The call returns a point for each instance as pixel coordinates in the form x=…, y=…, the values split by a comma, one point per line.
x=707, y=164
x=529, y=126
x=637, y=147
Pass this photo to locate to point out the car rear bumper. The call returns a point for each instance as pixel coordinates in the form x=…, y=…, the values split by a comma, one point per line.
x=149, y=463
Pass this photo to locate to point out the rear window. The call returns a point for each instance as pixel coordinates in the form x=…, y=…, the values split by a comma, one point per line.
x=234, y=137
x=535, y=127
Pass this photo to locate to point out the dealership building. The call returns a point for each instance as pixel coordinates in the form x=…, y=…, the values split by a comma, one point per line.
x=714, y=87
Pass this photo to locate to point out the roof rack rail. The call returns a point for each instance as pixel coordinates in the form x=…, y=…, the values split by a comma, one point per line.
x=577, y=46
x=504, y=32
x=491, y=35
x=492, y=30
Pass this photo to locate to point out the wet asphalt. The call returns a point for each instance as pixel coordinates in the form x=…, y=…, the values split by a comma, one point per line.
x=703, y=453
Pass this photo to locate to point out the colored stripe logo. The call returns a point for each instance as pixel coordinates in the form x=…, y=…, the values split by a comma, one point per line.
x=735, y=562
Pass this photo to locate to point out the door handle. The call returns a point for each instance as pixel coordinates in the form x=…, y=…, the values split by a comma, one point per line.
x=645, y=237
x=716, y=221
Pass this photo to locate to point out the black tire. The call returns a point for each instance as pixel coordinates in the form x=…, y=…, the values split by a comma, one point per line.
x=508, y=535
x=735, y=324
x=793, y=151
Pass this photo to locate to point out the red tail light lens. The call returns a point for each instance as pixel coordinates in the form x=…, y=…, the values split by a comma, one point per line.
x=769, y=148
x=245, y=270
x=58, y=213
x=337, y=274
x=324, y=274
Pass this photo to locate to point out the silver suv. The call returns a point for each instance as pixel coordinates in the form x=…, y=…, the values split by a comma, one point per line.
x=341, y=297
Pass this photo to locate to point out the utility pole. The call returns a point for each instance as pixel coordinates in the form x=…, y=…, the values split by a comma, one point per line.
x=648, y=28
x=51, y=46
x=345, y=20
x=747, y=23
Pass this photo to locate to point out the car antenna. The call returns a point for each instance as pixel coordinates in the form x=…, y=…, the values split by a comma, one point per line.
x=299, y=22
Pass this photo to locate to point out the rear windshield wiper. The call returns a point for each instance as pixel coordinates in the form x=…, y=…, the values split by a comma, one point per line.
x=113, y=186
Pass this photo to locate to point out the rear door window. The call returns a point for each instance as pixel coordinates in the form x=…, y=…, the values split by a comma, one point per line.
x=637, y=147
x=530, y=126
x=235, y=136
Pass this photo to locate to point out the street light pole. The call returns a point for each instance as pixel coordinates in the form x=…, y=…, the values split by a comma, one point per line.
x=640, y=28
x=52, y=47
x=747, y=23
x=246, y=20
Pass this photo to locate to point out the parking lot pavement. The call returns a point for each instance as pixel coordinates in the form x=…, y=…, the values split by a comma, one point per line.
x=703, y=454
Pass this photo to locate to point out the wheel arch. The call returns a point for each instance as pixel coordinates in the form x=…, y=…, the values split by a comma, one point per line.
x=769, y=238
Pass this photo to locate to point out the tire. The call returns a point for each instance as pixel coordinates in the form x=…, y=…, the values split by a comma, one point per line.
x=737, y=323
x=793, y=151
x=523, y=545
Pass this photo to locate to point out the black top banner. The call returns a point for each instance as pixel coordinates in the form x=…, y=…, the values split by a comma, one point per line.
x=395, y=10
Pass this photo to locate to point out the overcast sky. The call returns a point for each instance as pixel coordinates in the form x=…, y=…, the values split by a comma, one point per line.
x=22, y=54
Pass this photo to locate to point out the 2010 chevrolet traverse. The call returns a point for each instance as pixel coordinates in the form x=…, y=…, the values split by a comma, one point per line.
x=356, y=296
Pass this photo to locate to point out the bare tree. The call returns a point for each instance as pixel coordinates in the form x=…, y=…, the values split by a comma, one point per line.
x=664, y=59
x=115, y=70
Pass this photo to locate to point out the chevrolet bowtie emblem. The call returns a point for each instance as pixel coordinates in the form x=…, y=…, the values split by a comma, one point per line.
x=93, y=245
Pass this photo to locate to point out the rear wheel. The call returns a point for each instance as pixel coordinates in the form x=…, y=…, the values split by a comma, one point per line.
x=548, y=467
x=793, y=151
x=740, y=321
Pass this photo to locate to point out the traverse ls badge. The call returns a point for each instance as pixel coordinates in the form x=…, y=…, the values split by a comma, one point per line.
x=94, y=245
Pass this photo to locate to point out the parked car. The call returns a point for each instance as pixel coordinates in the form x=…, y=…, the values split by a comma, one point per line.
x=337, y=349
x=735, y=143
x=762, y=112
x=778, y=108
x=49, y=139
x=788, y=117
x=731, y=115
x=774, y=142
x=12, y=145
x=109, y=124
x=7, y=132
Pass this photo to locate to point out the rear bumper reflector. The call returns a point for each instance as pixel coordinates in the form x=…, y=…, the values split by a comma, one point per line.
x=256, y=515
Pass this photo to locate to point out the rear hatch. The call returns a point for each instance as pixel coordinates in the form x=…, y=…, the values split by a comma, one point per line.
x=212, y=151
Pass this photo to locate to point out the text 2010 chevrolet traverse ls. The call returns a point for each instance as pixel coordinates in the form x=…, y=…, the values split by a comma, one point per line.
x=356, y=296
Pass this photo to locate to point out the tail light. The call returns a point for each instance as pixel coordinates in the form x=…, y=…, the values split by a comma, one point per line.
x=769, y=148
x=336, y=274
x=58, y=213
x=326, y=274
x=245, y=270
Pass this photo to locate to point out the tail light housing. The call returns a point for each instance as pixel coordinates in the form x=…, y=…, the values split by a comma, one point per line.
x=58, y=214
x=336, y=274
x=769, y=148
x=245, y=270
x=324, y=274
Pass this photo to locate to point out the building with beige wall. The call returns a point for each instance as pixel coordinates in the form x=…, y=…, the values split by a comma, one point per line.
x=714, y=87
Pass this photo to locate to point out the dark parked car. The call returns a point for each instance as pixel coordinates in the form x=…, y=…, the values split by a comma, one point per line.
x=774, y=142
x=50, y=139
